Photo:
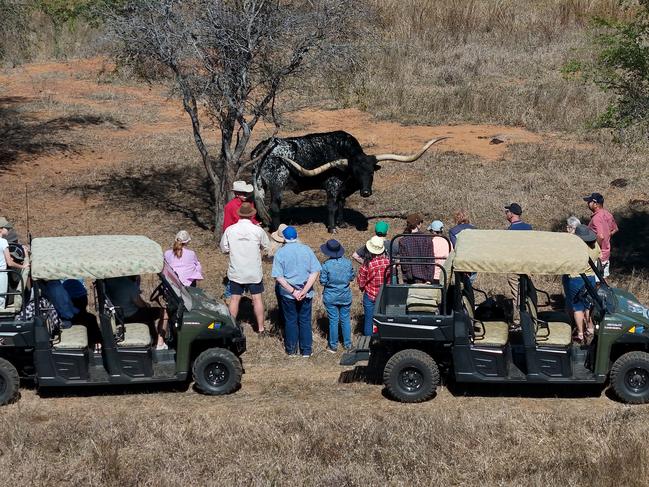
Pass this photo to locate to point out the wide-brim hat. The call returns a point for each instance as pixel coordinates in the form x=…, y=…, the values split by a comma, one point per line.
x=585, y=233
x=375, y=245
x=332, y=248
x=183, y=236
x=242, y=187
x=246, y=210
x=277, y=234
x=4, y=223
x=414, y=219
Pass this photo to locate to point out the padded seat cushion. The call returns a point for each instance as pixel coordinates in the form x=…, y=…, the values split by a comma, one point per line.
x=560, y=335
x=74, y=337
x=496, y=334
x=136, y=335
x=423, y=299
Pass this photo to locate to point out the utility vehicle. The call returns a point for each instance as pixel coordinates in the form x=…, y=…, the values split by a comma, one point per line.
x=423, y=331
x=204, y=341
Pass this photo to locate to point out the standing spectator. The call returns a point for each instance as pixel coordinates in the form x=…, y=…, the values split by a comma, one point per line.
x=412, y=245
x=6, y=260
x=244, y=241
x=277, y=242
x=296, y=269
x=380, y=230
x=461, y=218
x=572, y=223
x=183, y=260
x=441, y=247
x=604, y=226
x=242, y=193
x=371, y=277
x=513, y=214
x=337, y=272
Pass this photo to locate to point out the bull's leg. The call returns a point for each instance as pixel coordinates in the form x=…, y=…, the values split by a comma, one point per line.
x=275, y=209
x=340, y=215
x=332, y=206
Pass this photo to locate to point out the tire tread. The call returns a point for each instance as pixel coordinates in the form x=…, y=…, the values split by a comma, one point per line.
x=411, y=354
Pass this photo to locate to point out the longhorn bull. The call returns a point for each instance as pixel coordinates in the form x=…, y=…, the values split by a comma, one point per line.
x=333, y=161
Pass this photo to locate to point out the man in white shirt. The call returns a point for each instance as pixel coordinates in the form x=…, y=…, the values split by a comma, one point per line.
x=244, y=241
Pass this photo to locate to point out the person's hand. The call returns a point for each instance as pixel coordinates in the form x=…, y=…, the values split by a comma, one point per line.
x=296, y=294
x=301, y=294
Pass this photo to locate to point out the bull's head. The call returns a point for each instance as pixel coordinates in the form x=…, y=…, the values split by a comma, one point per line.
x=364, y=167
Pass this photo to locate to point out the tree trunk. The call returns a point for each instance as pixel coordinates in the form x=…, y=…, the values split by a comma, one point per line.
x=222, y=192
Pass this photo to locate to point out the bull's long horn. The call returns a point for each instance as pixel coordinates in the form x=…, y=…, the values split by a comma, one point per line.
x=411, y=158
x=317, y=170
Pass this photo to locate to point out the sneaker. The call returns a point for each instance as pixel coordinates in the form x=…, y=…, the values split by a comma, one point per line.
x=306, y=355
x=293, y=355
x=348, y=347
x=162, y=347
x=331, y=350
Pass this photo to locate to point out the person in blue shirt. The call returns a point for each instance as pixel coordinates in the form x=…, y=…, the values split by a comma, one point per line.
x=462, y=222
x=296, y=268
x=337, y=272
x=513, y=214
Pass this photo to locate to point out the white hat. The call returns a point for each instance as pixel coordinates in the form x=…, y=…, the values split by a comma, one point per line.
x=242, y=187
x=436, y=226
x=183, y=236
x=375, y=245
x=278, y=235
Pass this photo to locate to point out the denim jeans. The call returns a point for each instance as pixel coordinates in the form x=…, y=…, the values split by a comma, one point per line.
x=280, y=313
x=297, y=316
x=339, y=313
x=368, y=308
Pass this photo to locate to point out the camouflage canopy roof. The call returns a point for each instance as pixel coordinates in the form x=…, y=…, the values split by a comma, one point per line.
x=95, y=257
x=520, y=252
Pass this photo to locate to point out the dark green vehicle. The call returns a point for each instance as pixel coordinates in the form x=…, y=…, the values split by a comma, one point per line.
x=423, y=332
x=204, y=342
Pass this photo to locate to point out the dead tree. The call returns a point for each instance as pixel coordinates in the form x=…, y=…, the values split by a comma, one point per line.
x=229, y=60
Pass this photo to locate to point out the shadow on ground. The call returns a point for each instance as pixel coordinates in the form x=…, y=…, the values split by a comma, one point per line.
x=630, y=245
x=172, y=189
x=22, y=136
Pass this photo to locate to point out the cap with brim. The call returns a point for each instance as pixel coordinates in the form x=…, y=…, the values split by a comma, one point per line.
x=277, y=234
x=242, y=187
x=436, y=226
x=183, y=236
x=4, y=223
x=246, y=210
x=375, y=245
x=332, y=248
x=290, y=234
x=381, y=228
x=585, y=233
x=596, y=197
x=515, y=208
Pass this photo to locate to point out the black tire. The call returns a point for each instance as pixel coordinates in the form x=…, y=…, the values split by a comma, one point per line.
x=9, y=382
x=411, y=376
x=630, y=377
x=217, y=371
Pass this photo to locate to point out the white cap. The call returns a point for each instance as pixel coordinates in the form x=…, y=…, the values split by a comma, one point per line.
x=183, y=236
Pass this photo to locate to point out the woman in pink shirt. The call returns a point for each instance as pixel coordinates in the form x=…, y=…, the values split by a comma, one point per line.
x=184, y=261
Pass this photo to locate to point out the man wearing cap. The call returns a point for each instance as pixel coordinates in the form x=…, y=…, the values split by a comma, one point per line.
x=242, y=192
x=244, y=241
x=513, y=214
x=416, y=244
x=604, y=226
x=380, y=230
x=296, y=268
x=441, y=246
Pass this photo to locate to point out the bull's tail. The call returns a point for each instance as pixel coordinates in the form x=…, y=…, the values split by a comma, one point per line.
x=259, y=195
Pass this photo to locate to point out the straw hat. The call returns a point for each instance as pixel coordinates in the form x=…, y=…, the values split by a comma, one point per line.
x=277, y=234
x=375, y=245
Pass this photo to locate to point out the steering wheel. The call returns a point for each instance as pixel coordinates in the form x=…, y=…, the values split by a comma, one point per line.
x=157, y=293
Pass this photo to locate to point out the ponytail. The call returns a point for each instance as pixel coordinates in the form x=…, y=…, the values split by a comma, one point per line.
x=178, y=249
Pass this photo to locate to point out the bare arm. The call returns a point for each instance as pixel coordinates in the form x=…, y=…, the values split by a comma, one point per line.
x=13, y=263
x=287, y=286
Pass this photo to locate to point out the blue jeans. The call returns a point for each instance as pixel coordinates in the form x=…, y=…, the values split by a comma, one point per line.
x=280, y=313
x=368, y=309
x=339, y=313
x=297, y=316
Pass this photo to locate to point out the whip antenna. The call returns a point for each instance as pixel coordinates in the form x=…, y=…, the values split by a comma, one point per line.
x=29, y=233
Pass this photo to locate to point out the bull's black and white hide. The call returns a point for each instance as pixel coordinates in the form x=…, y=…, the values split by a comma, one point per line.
x=333, y=161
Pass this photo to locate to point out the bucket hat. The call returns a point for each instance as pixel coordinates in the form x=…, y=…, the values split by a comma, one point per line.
x=277, y=234
x=332, y=248
x=375, y=245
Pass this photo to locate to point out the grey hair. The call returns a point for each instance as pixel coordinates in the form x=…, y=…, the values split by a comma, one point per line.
x=573, y=222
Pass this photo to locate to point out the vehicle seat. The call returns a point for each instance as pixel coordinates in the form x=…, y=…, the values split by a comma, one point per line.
x=74, y=337
x=423, y=299
x=549, y=333
x=486, y=333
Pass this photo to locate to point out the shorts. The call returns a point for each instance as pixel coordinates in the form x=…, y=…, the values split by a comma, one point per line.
x=238, y=289
x=572, y=286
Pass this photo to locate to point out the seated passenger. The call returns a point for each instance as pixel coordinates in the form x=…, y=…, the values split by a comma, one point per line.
x=59, y=297
x=411, y=246
x=441, y=247
x=6, y=260
x=124, y=293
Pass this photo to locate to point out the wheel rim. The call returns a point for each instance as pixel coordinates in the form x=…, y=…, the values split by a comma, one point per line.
x=216, y=374
x=637, y=380
x=411, y=379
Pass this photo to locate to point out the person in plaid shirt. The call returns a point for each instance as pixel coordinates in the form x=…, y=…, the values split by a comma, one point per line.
x=416, y=246
x=371, y=277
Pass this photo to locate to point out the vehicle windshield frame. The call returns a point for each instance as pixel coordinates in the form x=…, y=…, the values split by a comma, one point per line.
x=171, y=281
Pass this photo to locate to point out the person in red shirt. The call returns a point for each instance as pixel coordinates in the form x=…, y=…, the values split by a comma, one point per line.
x=242, y=192
x=604, y=226
x=371, y=277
